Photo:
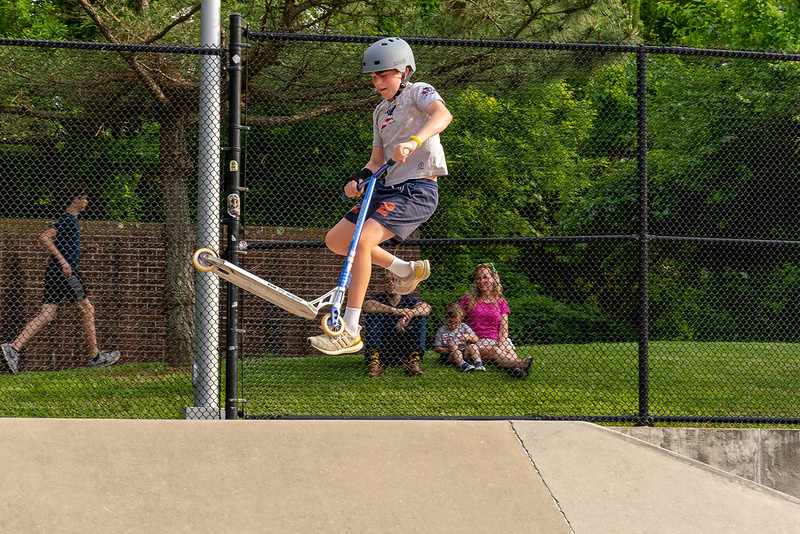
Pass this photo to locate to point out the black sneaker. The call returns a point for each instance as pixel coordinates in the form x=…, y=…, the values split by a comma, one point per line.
x=528, y=364
x=515, y=372
x=11, y=356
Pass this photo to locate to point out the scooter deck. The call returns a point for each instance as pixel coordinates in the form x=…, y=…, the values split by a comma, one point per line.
x=261, y=288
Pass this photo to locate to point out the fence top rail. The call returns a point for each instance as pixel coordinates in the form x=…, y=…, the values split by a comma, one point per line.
x=116, y=47
x=480, y=43
x=532, y=45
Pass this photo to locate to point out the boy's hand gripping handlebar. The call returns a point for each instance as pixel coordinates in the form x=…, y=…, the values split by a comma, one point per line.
x=363, y=183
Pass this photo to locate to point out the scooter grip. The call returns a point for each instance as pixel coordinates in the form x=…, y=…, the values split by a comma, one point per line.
x=361, y=184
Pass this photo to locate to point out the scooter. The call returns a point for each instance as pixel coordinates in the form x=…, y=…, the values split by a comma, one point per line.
x=208, y=261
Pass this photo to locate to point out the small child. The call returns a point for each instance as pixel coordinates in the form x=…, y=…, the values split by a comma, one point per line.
x=455, y=341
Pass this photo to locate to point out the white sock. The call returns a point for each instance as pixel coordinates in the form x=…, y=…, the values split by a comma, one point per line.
x=351, y=317
x=401, y=268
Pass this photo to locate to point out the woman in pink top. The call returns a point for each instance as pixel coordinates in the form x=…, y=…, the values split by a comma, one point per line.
x=487, y=314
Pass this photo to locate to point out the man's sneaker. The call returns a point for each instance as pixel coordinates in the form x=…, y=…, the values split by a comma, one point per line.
x=479, y=366
x=467, y=367
x=413, y=369
x=104, y=359
x=11, y=355
x=346, y=343
x=420, y=270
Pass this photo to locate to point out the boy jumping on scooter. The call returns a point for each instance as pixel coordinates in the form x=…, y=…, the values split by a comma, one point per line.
x=406, y=126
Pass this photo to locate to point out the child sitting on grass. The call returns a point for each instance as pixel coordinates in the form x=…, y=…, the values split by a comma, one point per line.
x=455, y=341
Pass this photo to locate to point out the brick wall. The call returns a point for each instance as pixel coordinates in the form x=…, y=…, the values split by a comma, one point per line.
x=125, y=281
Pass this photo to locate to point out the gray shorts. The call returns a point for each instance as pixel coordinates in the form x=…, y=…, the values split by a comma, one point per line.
x=401, y=208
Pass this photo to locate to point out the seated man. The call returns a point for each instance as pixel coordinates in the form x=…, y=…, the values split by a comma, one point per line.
x=394, y=332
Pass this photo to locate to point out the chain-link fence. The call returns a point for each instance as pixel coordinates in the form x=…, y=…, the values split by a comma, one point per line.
x=100, y=159
x=635, y=203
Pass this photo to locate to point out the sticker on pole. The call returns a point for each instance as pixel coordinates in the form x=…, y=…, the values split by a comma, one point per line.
x=234, y=204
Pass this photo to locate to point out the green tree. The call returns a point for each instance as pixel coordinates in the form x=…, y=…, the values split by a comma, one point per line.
x=516, y=162
x=722, y=162
x=286, y=85
x=757, y=24
x=25, y=19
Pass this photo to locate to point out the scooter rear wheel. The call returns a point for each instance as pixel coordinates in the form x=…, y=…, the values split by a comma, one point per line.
x=198, y=262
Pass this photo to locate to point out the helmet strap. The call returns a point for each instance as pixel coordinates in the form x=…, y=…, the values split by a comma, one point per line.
x=403, y=83
x=400, y=90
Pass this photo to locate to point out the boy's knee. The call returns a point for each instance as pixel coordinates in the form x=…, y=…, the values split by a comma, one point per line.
x=364, y=248
x=334, y=244
x=85, y=307
x=329, y=243
x=47, y=314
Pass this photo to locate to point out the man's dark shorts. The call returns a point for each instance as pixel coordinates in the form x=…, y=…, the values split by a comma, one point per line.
x=63, y=288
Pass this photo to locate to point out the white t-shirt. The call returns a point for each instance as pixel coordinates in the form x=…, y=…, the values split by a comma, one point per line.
x=445, y=336
x=393, y=121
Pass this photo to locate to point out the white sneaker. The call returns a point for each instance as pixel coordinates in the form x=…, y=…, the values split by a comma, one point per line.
x=11, y=356
x=346, y=343
x=104, y=359
x=420, y=270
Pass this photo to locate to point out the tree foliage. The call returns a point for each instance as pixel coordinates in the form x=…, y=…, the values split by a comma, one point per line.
x=756, y=24
x=722, y=160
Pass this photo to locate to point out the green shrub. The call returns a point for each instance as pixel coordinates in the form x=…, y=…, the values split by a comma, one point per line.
x=540, y=320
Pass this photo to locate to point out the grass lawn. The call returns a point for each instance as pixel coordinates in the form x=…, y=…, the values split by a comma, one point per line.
x=714, y=379
x=707, y=379
x=135, y=391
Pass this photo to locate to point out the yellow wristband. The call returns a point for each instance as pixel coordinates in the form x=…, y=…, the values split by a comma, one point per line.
x=415, y=138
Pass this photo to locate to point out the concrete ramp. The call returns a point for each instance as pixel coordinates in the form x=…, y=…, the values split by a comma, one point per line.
x=608, y=482
x=119, y=476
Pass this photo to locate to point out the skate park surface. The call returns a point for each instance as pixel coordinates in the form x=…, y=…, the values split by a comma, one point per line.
x=439, y=476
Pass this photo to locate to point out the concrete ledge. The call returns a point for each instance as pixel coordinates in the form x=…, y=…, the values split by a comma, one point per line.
x=766, y=456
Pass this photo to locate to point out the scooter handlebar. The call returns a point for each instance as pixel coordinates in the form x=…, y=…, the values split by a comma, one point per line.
x=376, y=175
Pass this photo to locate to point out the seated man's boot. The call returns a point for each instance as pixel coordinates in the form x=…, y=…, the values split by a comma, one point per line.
x=374, y=367
x=412, y=367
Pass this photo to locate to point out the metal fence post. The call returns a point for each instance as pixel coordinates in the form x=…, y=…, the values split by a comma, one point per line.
x=641, y=156
x=205, y=373
x=233, y=187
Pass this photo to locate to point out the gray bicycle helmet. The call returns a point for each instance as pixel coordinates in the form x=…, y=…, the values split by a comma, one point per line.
x=389, y=53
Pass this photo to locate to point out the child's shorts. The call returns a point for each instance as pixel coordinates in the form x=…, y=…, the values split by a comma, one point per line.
x=401, y=208
x=63, y=288
x=444, y=359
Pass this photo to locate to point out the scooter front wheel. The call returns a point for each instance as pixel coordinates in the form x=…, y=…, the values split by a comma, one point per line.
x=330, y=329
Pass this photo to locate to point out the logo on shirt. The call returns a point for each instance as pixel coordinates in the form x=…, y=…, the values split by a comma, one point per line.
x=427, y=91
x=389, y=119
x=386, y=122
